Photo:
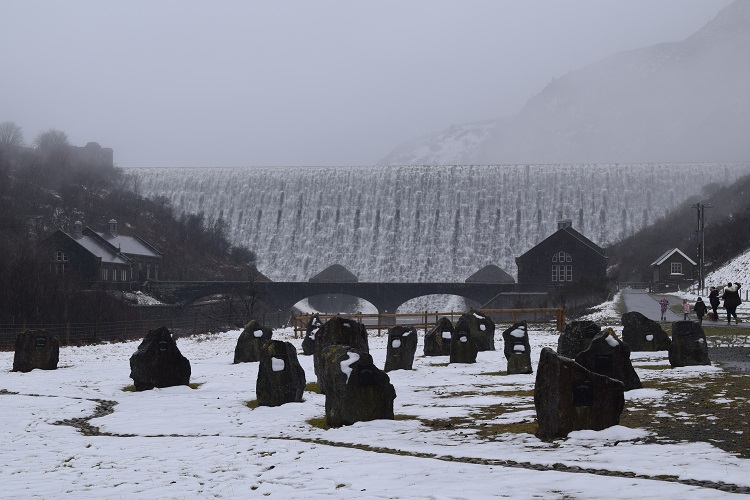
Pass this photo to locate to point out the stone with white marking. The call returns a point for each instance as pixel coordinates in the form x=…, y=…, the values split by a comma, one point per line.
x=250, y=342
x=281, y=378
x=402, y=345
x=517, y=349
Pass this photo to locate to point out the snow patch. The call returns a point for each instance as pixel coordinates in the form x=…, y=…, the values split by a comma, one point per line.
x=346, y=365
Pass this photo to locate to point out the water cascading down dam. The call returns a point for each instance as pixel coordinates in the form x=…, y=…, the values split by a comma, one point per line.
x=421, y=223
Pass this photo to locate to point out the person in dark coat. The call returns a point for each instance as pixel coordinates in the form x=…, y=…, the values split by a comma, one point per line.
x=700, y=310
x=713, y=298
x=731, y=297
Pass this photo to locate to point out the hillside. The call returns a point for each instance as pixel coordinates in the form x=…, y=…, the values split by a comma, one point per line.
x=727, y=233
x=685, y=101
x=40, y=193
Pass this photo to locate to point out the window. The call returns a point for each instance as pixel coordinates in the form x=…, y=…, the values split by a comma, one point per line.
x=148, y=271
x=60, y=256
x=156, y=271
x=560, y=271
x=124, y=275
x=676, y=267
x=105, y=274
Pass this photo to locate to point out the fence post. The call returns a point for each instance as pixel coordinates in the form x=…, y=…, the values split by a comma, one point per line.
x=379, y=316
x=67, y=333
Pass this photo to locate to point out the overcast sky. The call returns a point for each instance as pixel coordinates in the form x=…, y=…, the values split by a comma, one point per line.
x=236, y=83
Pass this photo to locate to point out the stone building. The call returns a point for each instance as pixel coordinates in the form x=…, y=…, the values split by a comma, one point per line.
x=565, y=257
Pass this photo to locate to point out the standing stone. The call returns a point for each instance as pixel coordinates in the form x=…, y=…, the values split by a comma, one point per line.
x=357, y=391
x=576, y=338
x=482, y=329
x=36, y=349
x=437, y=342
x=402, y=345
x=463, y=349
x=568, y=397
x=308, y=344
x=607, y=355
x=688, y=346
x=158, y=362
x=643, y=334
x=517, y=349
x=337, y=331
x=281, y=379
x=250, y=342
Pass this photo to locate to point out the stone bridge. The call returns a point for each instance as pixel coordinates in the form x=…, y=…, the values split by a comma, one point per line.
x=386, y=297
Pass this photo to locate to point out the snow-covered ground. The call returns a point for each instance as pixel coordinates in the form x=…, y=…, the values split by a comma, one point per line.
x=205, y=442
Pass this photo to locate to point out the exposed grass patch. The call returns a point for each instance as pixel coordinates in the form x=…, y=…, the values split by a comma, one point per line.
x=439, y=364
x=195, y=385
x=697, y=401
x=654, y=367
x=252, y=404
x=319, y=423
x=492, y=430
x=339, y=486
x=495, y=374
x=129, y=388
x=312, y=387
x=404, y=417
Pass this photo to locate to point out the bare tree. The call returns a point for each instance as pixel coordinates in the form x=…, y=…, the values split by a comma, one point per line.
x=51, y=139
x=10, y=135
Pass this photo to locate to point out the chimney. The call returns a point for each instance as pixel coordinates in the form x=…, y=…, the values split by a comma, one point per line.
x=563, y=223
x=113, y=227
x=77, y=229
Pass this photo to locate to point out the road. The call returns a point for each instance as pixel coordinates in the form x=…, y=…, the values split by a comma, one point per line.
x=648, y=305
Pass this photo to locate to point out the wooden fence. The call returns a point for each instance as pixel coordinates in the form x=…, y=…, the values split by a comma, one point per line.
x=427, y=320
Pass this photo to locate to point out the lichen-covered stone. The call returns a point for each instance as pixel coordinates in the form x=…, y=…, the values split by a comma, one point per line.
x=463, y=349
x=517, y=349
x=608, y=355
x=437, y=342
x=250, y=342
x=158, y=362
x=357, y=390
x=308, y=343
x=568, y=397
x=482, y=329
x=576, y=338
x=402, y=345
x=337, y=331
x=643, y=334
x=281, y=379
x=36, y=349
x=688, y=346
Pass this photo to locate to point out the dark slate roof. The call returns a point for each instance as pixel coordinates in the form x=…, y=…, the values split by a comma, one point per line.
x=334, y=274
x=668, y=254
x=575, y=234
x=490, y=274
x=97, y=248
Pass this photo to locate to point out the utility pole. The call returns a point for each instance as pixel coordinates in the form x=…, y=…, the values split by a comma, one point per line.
x=700, y=239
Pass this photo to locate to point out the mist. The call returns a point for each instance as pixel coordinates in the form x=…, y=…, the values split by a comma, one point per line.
x=237, y=83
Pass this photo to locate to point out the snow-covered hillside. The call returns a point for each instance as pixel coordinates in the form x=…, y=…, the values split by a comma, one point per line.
x=683, y=101
x=735, y=271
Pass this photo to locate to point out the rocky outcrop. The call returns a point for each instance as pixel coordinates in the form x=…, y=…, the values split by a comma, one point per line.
x=337, y=331
x=281, y=379
x=250, y=342
x=643, y=334
x=402, y=345
x=689, y=347
x=576, y=338
x=158, y=362
x=568, y=397
x=356, y=390
x=36, y=349
x=609, y=356
x=517, y=349
x=437, y=342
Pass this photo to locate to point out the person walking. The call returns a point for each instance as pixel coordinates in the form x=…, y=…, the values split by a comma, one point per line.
x=713, y=298
x=731, y=297
x=664, y=304
x=700, y=310
x=685, y=309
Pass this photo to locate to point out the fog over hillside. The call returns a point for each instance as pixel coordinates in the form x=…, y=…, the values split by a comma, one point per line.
x=671, y=102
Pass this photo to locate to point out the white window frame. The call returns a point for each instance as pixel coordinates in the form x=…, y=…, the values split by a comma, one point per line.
x=105, y=274
x=675, y=268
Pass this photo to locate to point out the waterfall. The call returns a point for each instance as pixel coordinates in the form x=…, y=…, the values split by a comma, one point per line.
x=421, y=223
